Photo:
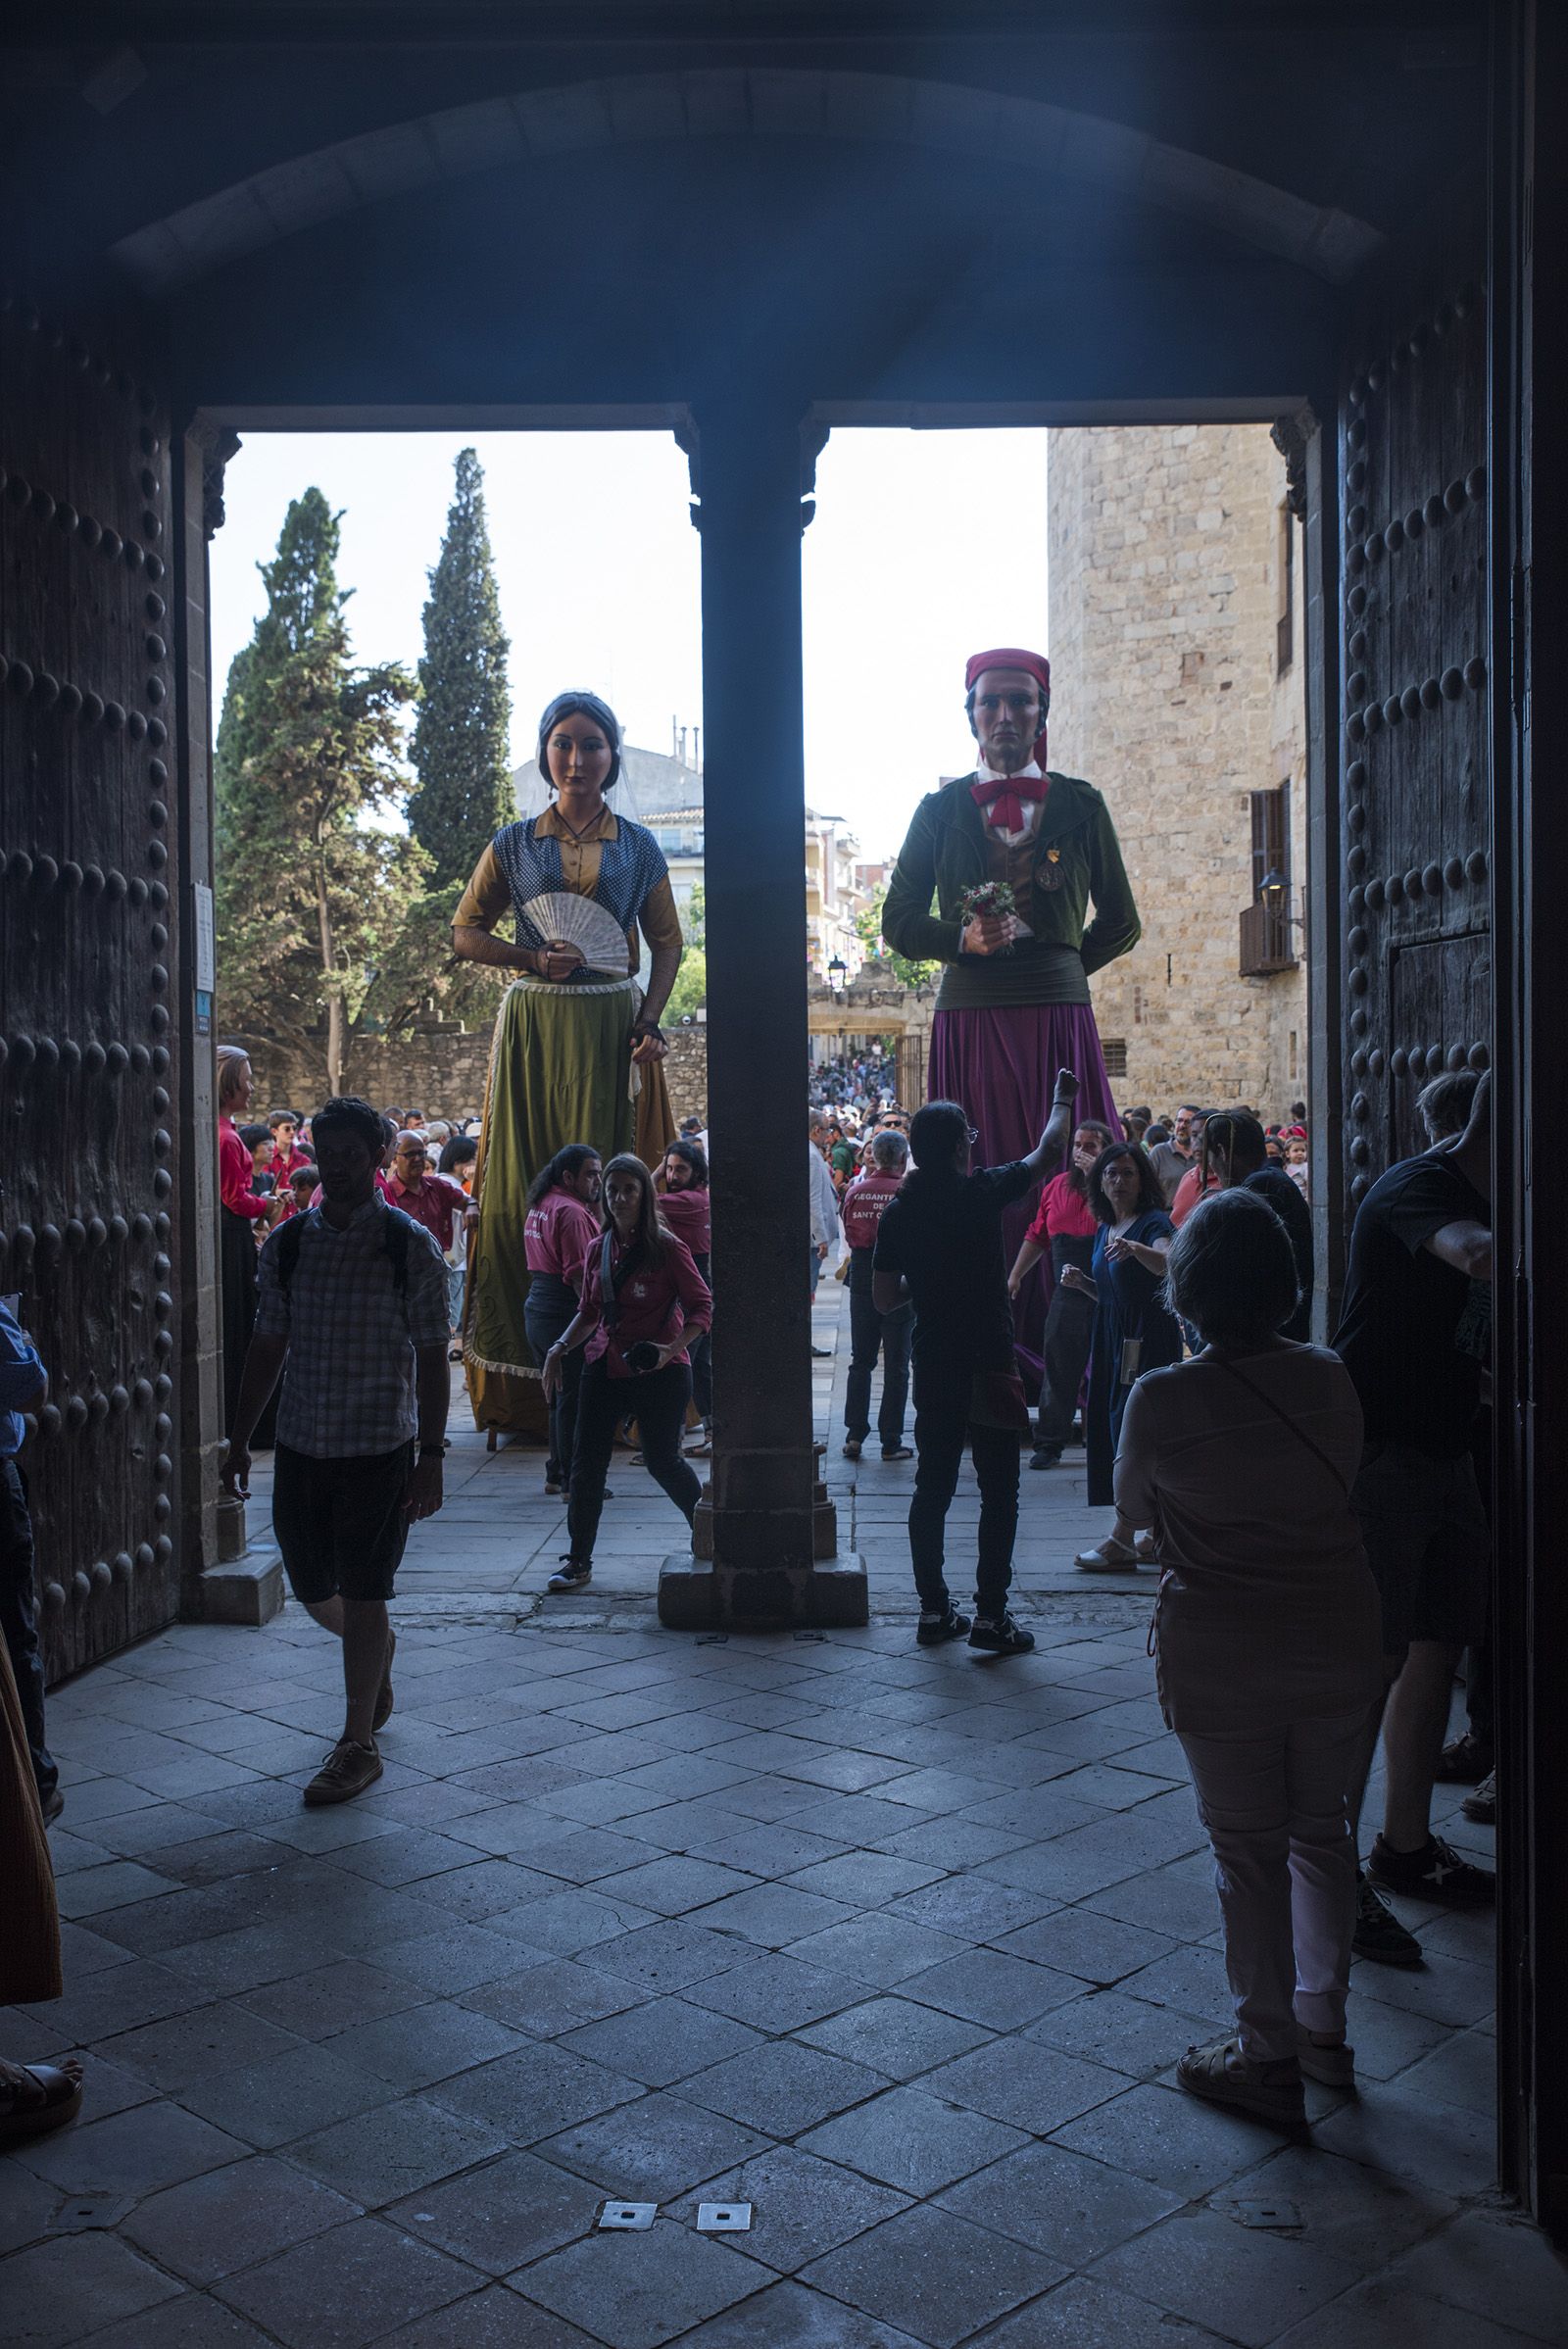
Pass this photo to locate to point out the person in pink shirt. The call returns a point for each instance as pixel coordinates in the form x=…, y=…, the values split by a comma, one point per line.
x=240, y=1212
x=430, y=1199
x=872, y=1333
x=558, y=1230
x=643, y=1301
x=685, y=1206
x=1064, y=1230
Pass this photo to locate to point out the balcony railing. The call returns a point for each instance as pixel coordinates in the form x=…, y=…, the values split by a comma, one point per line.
x=1265, y=938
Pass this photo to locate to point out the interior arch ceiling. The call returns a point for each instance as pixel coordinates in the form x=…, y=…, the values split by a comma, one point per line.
x=438, y=149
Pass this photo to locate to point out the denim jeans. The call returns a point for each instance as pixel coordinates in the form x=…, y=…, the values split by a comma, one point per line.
x=549, y=1309
x=18, y=1621
x=872, y=1333
x=941, y=1431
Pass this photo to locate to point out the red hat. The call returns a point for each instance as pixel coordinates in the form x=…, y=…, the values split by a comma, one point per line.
x=1034, y=665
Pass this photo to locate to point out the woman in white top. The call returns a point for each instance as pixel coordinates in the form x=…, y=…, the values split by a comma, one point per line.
x=1267, y=1640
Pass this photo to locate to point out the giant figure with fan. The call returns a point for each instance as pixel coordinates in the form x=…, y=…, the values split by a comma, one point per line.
x=577, y=1048
x=1031, y=899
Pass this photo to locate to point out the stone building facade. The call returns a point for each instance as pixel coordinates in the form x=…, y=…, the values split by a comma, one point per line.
x=1177, y=660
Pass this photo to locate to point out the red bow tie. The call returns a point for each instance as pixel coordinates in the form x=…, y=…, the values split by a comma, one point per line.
x=1004, y=797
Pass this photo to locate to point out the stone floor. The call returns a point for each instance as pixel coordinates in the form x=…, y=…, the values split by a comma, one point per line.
x=897, y=1947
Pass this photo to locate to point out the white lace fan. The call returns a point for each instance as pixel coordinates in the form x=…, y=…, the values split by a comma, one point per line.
x=581, y=922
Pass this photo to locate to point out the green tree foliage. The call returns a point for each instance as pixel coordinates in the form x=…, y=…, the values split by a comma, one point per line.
x=690, y=991
x=316, y=878
x=463, y=776
x=868, y=922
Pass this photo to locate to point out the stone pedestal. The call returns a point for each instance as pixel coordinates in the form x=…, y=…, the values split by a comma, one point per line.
x=246, y=1590
x=695, y=1594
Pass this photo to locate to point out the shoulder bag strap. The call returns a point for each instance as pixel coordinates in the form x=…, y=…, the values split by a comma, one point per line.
x=1267, y=1401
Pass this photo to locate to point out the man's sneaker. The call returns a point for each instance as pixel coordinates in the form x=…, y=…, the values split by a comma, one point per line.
x=1000, y=1637
x=1332, y=2064
x=1437, y=1873
x=383, y=1703
x=570, y=1575
x=852, y=1448
x=347, y=1771
x=52, y=1804
x=936, y=1627
x=1379, y=1935
x=1044, y=1457
x=1466, y=1761
x=1482, y=1805
x=896, y=1451
x=1222, y=2075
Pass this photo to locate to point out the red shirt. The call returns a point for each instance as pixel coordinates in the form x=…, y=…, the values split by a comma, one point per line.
x=235, y=1174
x=862, y=1205
x=1061, y=1211
x=285, y=1161
x=689, y=1214
x=433, y=1201
x=656, y=1302
x=558, y=1235
x=1189, y=1191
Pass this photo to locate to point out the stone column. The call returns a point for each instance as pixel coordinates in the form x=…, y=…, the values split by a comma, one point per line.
x=765, y=1539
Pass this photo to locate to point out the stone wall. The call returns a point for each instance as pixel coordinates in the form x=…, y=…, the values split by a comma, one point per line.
x=1165, y=590
x=441, y=1070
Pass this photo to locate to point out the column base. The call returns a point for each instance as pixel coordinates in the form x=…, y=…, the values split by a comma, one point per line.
x=697, y=1595
x=246, y=1590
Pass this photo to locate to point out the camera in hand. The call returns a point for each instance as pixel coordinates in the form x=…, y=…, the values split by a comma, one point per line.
x=642, y=1356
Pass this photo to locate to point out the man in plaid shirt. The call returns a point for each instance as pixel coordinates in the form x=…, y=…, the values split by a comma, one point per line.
x=353, y=1312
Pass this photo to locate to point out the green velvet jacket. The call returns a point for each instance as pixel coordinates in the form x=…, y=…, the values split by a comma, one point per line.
x=944, y=853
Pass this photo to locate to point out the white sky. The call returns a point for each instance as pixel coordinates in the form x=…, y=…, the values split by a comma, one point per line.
x=926, y=546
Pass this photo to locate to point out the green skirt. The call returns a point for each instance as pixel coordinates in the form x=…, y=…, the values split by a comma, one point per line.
x=561, y=1071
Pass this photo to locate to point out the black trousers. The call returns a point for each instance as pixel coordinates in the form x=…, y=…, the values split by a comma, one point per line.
x=547, y=1311
x=19, y=1619
x=1070, y=1331
x=872, y=1333
x=942, y=1428
x=657, y=1403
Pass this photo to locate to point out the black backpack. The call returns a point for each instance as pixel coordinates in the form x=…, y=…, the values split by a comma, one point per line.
x=394, y=1242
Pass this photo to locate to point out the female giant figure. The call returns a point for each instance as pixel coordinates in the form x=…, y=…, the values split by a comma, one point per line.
x=577, y=1043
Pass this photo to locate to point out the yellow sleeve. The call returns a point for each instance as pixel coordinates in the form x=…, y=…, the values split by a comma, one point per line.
x=661, y=923
x=487, y=897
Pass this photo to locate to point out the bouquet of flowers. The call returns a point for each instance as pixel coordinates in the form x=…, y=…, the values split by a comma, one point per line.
x=994, y=901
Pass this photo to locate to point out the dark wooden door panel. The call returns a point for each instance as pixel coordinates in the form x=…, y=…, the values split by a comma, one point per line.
x=88, y=899
x=1414, y=798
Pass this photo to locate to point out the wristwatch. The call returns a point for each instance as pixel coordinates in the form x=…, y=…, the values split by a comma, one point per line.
x=434, y=1452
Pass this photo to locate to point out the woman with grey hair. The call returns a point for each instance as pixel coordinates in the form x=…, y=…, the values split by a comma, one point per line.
x=872, y=1333
x=1267, y=1642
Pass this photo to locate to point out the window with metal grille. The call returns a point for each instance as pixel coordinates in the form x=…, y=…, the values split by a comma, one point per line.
x=1266, y=924
x=1115, y=1048
x=1285, y=625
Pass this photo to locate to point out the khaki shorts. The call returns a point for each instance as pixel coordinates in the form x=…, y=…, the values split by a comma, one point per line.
x=1427, y=1543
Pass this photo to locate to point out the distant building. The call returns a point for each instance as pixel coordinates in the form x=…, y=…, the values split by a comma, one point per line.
x=1176, y=654
x=665, y=793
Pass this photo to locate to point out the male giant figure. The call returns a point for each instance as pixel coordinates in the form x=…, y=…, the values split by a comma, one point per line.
x=1007, y=1017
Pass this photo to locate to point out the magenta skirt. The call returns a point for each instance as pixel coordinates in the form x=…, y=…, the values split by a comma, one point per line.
x=1000, y=1066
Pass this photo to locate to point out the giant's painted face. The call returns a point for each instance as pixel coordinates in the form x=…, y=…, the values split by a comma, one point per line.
x=1006, y=715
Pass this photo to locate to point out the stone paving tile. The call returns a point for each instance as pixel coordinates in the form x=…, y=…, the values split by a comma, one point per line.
x=1414, y=2139
x=801, y=2206
x=553, y=1996
x=492, y=2319
x=895, y=2036
x=986, y=1985
x=326, y=1999
x=61, y=2291
x=380, y=2156
x=1496, y=2266
x=776, y=1992
x=636, y=2291
x=184, y=2048
x=1031, y=2087
x=540, y=2087
x=786, y=2316
x=193, y=2321
x=653, y=2150
x=1129, y=2034
x=912, y=2140
x=1098, y=1949
x=934, y=2275
x=285, y=2096
x=878, y=1948
x=231, y=2219
x=502, y=2216
x=663, y=2042
x=783, y=2087
x=1169, y=2138
x=133, y=2152
x=1247, y=2283
x=1085, y=2314
x=380, y=2273
x=423, y=2045
x=1060, y=2203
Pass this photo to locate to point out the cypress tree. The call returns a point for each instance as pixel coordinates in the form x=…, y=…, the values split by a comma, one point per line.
x=463, y=792
x=314, y=885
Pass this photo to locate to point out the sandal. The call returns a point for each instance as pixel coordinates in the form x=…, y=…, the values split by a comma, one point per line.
x=35, y=2098
x=1220, y=2074
x=1109, y=1556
